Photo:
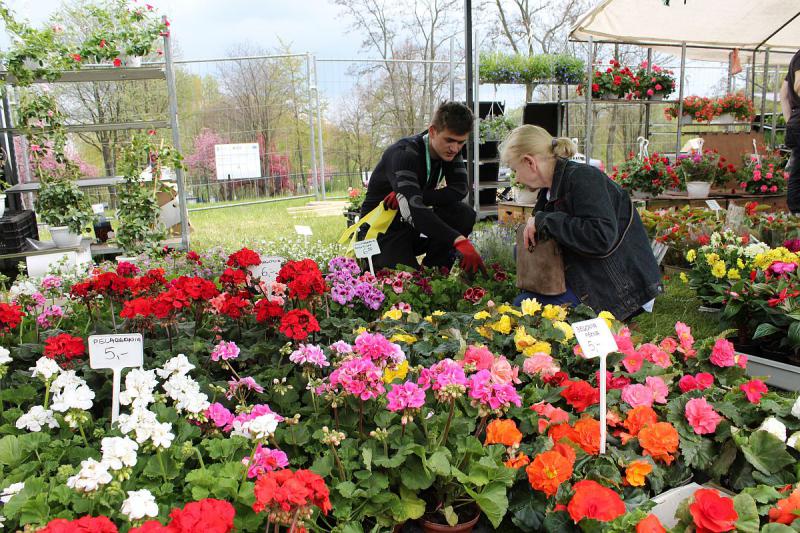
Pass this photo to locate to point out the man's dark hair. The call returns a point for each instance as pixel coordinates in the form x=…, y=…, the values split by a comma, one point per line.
x=453, y=116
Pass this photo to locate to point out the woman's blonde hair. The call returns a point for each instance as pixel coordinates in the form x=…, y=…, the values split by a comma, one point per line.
x=533, y=140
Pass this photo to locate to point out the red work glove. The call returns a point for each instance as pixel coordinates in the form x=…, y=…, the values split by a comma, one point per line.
x=390, y=202
x=470, y=259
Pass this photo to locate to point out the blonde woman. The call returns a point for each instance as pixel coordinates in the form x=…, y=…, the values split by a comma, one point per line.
x=609, y=264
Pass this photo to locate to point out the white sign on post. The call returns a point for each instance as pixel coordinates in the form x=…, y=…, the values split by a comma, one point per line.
x=116, y=352
x=268, y=270
x=596, y=340
x=367, y=249
x=714, y=205
x=305, y=231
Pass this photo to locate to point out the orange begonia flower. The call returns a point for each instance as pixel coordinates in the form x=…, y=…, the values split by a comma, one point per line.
x=659, y=441
x=503, y=431
x=547, y=471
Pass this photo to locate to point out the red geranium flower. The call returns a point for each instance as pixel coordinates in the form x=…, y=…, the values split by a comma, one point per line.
x=208, y=516
x=197, y=288
x=233, y=277
x=127, y=269
x=284, y=492
x=233, y=306
x=298, y=324
x=10, y=316
x=244, y=258
x=64, y=348
x=267, y=310
x=137, y=308
x=474, y=294
x=85, y=524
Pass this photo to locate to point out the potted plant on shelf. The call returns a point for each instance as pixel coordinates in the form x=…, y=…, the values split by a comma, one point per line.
x=697, y=108
x=645, y=176
x=698, y=171
x=613, y=83
x=495, y=128
x=139, y=228
x=764, y=175
x=734, y=108
x=522, y=194
x=64, y=208
x=656, y=84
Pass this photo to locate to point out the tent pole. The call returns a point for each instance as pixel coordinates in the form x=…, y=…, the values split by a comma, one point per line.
x=753, y=81
x=647, y=106
x=587, y=144
x=764, y=88
x=680, y=101
x=775, y=99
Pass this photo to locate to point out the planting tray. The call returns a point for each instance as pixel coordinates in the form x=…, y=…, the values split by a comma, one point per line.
x=781, y=375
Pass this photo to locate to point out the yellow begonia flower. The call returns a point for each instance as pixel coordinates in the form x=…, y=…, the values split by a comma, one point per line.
x=567, y=329
x=719, y=270
x=505, y=308
x=482, y=315
x=608, y=317
x=394, y=314
x=554, y=312
x=733, y=274
x=684, y=277
x=438, y=313
x=484, y=332
x=360, y=330
x=691, y=255
x=402, y=337
x=538, y=347
x=429, y=318
x=503, y=325
x=400, y=372
x=522, y=340
x=530, y=306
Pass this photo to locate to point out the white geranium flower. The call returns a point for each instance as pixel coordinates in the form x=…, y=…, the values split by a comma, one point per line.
x=23, y=288
x=139, y=386
x=796, y=408
x=36, y=418
x=775, y=427
x=71, y=392
x=45, y=369
x=186, y=393
x=119, y=452
x=5, y=356
x=794, y=440
x=9, y=492
x=161, y=435
x=258, y=428
x=92, y=476
x=139, y=504
x=177, y=366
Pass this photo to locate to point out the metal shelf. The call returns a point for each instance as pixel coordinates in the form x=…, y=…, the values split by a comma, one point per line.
x=90, y=182
x=96, y=74
x=596, y=101
x=111, y=126
x=490, y=161
x=493, y=185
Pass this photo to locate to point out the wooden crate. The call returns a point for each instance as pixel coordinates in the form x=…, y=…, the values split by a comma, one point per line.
x=513, y=213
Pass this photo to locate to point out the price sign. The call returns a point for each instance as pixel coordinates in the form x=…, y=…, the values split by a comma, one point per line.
x=714, y=205
x=116, y=352
x=596, y=340
x=268, y=270
x=304, y=230
x=367, y=249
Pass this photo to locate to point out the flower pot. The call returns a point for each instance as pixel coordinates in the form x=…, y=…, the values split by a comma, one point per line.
x=609, y=96
x=686, y=120
x=2, y=204
x=525, y=196
x=657, y=96
x=781, y=375
x=639, y=195
x=433, y=527
x=725, y=118
x=698, y=189
x=132, y=61
x=64, y=237
x=127, y=259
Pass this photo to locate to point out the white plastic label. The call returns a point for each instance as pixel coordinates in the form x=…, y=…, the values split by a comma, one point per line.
x=714, y=205
x=268, y=270
x=304, y=230
x=116, y=351
x=594, y=337
x=366, y=248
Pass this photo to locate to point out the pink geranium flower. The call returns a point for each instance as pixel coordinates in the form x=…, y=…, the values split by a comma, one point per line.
x=406, y=396
x=487, y=393
x=701, y=416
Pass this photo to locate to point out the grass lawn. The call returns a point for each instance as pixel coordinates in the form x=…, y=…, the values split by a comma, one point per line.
x=249, y=225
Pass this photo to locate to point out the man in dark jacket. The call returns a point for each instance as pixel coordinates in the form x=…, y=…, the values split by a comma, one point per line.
x=424, y=177
x=790, y=106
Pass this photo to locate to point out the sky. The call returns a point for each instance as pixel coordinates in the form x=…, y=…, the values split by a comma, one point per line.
x=209, y=28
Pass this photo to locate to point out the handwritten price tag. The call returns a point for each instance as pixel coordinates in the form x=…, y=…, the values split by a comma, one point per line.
x=116, y=352
x=366, y=248
x=268, y=270
x=594, y=337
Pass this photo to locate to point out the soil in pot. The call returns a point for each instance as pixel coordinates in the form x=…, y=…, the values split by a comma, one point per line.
x=435, y=523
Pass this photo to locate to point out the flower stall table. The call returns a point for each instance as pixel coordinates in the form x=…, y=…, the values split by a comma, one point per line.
x=667, y=200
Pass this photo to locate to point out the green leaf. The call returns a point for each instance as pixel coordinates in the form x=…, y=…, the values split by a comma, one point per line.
x=493, y=501
x=765, y=330
x=450, y=515
x=763, y=493
x=794, y=333
x=745, y=507
x=766, y=452
x=366, y=454
x=697, y=451
x=409, y=506
x=777, y=528
x=414, y=476
x=559, y=522
x=439, y=463
x=346, y=488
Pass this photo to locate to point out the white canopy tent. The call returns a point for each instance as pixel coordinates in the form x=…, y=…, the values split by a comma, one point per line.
x=709, y=28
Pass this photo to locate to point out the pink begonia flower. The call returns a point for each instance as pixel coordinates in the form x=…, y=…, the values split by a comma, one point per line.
x=754, y=390
x=406, y=396
x=624, y=342
x=685, y=340
x=659, y=388
x=219, y=415
x=376, y=347
x=669, y=345
x=741, y=360
x=655, y=355
x=723, y=354
x=700, y=381
x=480, y=356
x=265, y=460
x=637, y=395
x=541, y=364
x=504, y=372
x=549, y=415
x=702, y=416
x=633, y=363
